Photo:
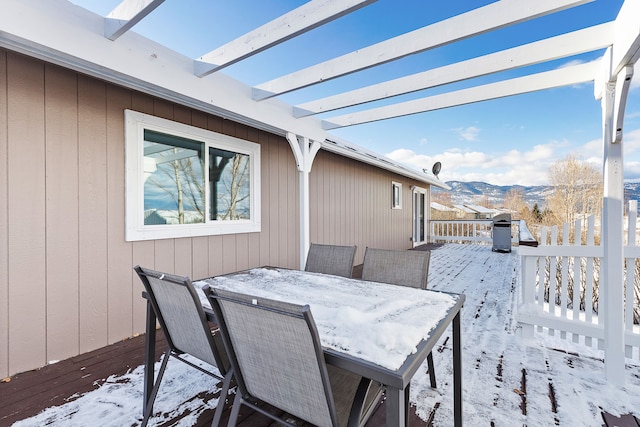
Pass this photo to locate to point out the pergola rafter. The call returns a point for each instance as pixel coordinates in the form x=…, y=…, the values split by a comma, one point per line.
x=530, y=83
x=478, y=21
x=562, y=46
x=126, y=15
x=298, y=21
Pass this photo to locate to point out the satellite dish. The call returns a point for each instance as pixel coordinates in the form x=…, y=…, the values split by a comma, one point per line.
x=436, y=168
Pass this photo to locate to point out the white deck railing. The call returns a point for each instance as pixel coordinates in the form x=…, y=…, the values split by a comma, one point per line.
x=561, y=286
x=477, y=231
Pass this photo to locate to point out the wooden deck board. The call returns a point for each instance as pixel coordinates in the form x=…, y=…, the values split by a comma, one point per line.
x=622, y=421
x=27, y=394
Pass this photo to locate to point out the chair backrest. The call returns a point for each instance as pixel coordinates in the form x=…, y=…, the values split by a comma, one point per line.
x=404, y=268
x=276, y=355
x=331, y=259
x=181, y=317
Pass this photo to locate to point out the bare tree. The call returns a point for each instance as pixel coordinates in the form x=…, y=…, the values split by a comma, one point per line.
x=442, y=197
x=483, y=200
x=578, y=190
x=180, y=180
x=514, y=201
x=236, y=185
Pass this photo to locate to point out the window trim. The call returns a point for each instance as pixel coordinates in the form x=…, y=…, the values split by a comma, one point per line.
x=394, y=185
x=135, y=229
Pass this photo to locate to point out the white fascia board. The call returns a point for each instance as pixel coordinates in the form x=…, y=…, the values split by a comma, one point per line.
x=59, y=32
x=574, y=43
x=300, y=20
x=478, y=21
x=363, y=155
x=546, y=80
x=126, y=15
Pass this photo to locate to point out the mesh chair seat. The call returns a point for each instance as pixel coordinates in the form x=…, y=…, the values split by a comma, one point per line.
x=404, y=268
x=331, y=259
x=184, y=324
x=276, y=357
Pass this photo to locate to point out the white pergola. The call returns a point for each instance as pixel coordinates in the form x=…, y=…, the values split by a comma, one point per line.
x=108, y=47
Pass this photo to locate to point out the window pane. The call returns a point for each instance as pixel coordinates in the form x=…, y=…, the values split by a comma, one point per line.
x=229, y=179
x=174, y=179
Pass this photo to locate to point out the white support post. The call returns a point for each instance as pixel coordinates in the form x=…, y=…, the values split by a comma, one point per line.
x=304, y=151
x=613, y=245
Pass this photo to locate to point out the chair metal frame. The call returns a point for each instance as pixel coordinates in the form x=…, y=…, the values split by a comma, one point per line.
x=149, y=279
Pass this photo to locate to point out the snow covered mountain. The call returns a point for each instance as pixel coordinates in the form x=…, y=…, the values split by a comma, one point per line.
x=474, y=192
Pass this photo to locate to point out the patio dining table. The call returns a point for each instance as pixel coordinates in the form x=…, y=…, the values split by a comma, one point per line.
x=380, y=331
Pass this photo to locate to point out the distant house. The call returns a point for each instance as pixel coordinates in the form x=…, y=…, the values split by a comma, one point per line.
x=481, y=212
x=464, y=212
x=442, y=212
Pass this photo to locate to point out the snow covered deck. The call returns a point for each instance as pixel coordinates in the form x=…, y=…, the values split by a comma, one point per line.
x=506, y=380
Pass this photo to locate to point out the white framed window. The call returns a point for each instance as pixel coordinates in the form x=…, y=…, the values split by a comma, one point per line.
x=396, y=195
x=183, y=181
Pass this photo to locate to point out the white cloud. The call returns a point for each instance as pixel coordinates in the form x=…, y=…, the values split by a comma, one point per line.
x=508, y=168
x=635, y=81
x=572, y=63
x=632, y=171
x=469, y=133
x=528, y=167
x=631, y=141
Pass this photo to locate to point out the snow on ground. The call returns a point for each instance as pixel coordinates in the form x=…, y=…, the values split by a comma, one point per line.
x=495, y=357
x=495, y=361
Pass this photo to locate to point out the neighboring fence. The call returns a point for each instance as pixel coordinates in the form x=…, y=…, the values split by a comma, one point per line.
x=476, y=231
x=560, y=285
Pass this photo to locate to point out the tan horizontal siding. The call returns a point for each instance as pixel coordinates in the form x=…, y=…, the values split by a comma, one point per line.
x=350, y=204
x=4, y=219
x=66, y=279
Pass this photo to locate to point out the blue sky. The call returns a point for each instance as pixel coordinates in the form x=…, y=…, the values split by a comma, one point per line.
x=504, y=142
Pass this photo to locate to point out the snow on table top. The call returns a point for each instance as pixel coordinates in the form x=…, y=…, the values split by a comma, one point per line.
x=376, y=322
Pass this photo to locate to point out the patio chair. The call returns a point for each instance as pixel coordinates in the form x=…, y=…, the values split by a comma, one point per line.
x=185, y=327
x=276, y=357
x=403, y=268
x=331, y=259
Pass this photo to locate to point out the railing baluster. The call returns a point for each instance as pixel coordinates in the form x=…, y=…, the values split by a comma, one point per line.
x=553, y=278
x=564, y=291
x=577, y=279
x=588, y=299
x=631, y=274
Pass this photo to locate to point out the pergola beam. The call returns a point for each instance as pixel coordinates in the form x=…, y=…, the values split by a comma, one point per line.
x=574, y=43
x=546, y=80
x=126, y=15
x=298, y=21
x=627, y=37
x=484, y=19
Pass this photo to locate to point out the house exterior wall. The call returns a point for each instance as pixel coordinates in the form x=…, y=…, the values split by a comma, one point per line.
x=350, y=203
x=66, y=280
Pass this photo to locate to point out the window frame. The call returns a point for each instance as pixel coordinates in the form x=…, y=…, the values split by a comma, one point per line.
x=394, y=185
x=135, y=229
